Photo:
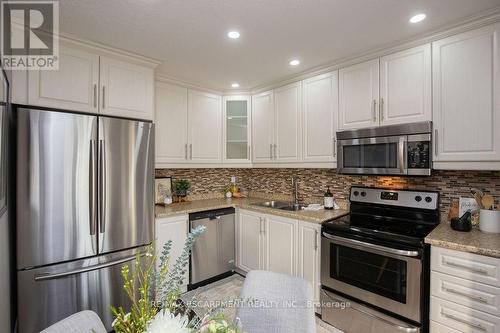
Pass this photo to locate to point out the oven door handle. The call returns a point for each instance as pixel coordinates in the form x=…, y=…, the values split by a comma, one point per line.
x=380, y=248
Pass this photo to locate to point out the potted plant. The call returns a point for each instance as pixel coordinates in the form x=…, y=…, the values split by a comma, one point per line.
x=181, y=186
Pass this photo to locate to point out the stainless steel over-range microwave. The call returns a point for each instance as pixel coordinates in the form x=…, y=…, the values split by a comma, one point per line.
x=386, y=150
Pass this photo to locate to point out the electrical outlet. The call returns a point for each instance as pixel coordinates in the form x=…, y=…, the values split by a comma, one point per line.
x=466, y=204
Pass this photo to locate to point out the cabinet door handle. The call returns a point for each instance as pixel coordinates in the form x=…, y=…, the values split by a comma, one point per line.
x=374, y=110
x=190, y=151
x=103, y=97
x=435, y=142
x=95, y=96
x=334, y=147
x=315, y=240
x=271, y=151
x=463, y=321
x=460, y=293
x=381, y=109
x=186, y=151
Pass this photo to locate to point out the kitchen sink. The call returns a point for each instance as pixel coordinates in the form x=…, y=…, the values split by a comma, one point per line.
x=292, y=207
x=283, y=205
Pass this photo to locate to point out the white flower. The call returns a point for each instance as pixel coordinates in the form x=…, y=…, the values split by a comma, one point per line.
x=166, y=322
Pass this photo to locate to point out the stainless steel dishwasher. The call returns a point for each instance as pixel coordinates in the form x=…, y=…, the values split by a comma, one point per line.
x=214, y=251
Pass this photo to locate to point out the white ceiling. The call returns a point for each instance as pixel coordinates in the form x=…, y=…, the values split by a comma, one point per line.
x=189, y=36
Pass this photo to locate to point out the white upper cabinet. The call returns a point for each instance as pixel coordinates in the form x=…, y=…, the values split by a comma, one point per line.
x=87, y=81
x=466, y=98
x=288, y=139
x=171, y=121
x=73, y=87
x=405, y=86
x=236, y=129
x=263, y=127
x=358, y=95
x=205, y=127
x=320, y=108
x=126, y=89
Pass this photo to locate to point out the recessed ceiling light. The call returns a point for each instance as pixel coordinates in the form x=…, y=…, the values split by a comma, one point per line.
x=294, y=62
x=235, y=85
x=233, y=34
x=417, y=18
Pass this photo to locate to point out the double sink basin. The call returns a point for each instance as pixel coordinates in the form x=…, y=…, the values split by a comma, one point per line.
x=281, y=205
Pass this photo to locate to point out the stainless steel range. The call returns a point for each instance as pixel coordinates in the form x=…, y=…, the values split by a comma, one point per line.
x=376, y=260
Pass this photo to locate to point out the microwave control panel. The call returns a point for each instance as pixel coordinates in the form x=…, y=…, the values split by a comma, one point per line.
x=419, y=155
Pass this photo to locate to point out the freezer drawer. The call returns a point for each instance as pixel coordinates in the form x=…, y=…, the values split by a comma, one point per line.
x=214, y=251
x=47, y=295
x=55, y=192
x=126, y=183
x=352, y=317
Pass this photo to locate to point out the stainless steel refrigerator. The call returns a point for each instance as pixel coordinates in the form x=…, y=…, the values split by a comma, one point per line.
x=84, y=208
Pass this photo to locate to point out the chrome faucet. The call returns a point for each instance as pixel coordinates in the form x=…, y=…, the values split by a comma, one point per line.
x=295, y=186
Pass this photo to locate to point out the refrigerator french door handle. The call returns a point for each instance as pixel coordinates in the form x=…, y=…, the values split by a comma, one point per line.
x=92, y=217
x=44, y=277
x=102, y=189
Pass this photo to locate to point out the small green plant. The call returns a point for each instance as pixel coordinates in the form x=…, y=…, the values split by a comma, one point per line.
x=181, y=186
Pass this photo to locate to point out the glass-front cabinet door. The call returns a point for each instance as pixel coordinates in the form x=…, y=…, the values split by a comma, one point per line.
x=237, y=129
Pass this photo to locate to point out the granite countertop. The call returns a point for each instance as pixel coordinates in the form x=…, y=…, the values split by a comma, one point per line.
x=318, y=216
x=475, y=241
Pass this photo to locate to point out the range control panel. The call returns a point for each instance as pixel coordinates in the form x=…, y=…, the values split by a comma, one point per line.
x=401, y=198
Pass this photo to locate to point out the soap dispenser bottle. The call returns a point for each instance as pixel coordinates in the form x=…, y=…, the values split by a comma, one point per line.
x=328, y=202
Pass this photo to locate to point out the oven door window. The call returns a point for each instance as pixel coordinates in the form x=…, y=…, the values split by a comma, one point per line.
x=382, y=275
x=373, y=155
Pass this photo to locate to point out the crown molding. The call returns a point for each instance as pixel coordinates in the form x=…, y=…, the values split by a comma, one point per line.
x=465, y=24
x=104, y=49
x=178, y=82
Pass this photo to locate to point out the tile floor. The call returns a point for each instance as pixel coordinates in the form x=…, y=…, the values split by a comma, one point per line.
x=225, y=290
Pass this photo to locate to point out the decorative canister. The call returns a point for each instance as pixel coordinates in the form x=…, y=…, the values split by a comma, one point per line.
x=489, y=221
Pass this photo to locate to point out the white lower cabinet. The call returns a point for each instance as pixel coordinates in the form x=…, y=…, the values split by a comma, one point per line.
x=279, y=244
x=249, y=241
x=465, y=293
x=308, y=263
x=280, y=236
x=175, y=229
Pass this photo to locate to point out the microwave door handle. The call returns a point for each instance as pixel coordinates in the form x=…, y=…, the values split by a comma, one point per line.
x=403, y=158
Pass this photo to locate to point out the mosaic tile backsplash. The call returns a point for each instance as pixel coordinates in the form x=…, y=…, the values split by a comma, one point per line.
x=276, y=183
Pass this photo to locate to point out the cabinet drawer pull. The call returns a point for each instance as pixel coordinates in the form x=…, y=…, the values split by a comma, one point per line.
x=103, y=97
x=462, y=321
x=374, y=110
x=271, y=151
x=95, y=96
x=315, y=240
x=381, y=109
x=460, y=293
x=435, y=142
x=471, y=269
